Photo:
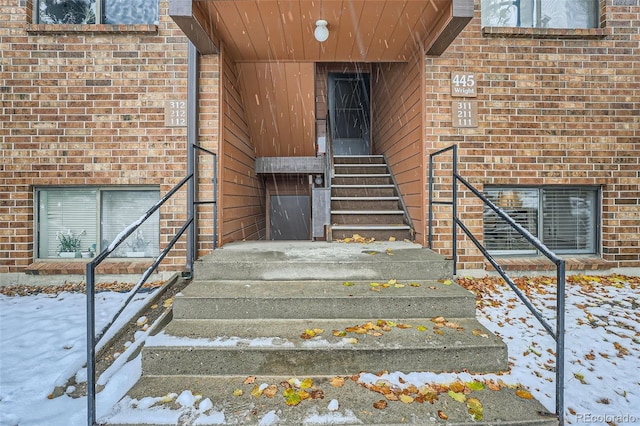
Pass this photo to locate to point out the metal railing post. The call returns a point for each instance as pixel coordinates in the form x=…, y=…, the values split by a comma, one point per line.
x=192, y=158
x=430, y=218
x=454, y=208
x=91, y=345
x=560, y=328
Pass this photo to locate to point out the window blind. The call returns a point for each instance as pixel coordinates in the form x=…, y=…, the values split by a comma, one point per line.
x=119, y=210
x=564, y=219
x=64, y=211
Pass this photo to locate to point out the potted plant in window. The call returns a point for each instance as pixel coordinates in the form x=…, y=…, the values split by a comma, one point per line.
x=137, y=245
x=69, y=243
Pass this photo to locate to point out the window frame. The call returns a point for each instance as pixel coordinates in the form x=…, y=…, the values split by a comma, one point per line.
x=37, y=194
x=540, y=220
x=34, y=9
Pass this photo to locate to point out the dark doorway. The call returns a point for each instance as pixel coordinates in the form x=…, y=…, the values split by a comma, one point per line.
x=290, y=217
x=349, y=113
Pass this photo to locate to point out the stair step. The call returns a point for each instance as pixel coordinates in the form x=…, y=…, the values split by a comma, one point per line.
x=320, y=299
x=320, y=260
x=365, y=186
x=358, y=159
x=365, y=198
x=394, y=212
x=502, y=407
x=275, y=347
x=362, y=175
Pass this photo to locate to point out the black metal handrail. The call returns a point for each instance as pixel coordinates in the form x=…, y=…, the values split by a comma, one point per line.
x=558, y=333
x=93, y=339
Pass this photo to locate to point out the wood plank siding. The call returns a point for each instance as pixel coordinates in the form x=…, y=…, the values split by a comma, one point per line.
x=397, y=130
x=242, y=209
x=359, y=30
x=280, y=107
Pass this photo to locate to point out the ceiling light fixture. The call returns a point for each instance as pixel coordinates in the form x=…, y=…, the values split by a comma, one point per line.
x=321, y=32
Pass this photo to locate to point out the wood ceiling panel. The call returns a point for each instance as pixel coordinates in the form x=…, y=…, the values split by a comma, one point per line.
x=359, y=30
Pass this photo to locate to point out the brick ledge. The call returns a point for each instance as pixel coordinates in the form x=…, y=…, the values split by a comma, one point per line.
x=569, y=33
x=78, y=267
x=524, y=264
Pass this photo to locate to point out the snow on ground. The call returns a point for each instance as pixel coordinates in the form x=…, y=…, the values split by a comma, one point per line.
x=42, y=344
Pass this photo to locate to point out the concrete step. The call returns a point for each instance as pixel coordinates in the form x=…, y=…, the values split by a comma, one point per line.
x=275, y=347
x=400, y=232
x=362, y=179
x=358, y=159
x=363, y=190
x=355, y=404
x=350, y=169
x=321, y=299
x=319, y=260
x=367, y=217
x=364, y=203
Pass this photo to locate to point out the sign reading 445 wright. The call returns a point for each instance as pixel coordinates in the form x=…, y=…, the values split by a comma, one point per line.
x=463, y=84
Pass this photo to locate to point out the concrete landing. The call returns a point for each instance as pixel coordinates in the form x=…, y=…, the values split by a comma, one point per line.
x=306, y=260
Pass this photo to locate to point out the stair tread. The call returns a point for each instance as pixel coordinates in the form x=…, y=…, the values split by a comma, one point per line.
x=355, y=404
x=342, y=175
x=371, y=227
x=220, y=289
x=284, y=334
x=382, y=185
x=364, y=198
x=367, y=212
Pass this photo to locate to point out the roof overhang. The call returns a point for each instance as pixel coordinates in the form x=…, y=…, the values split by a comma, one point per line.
x=360, y=30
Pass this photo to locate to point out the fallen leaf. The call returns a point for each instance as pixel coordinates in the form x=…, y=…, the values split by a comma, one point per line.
x=380, y=405
x=250, y=380
x=442, y=415
x=337, y=382
x=457, y=387
x=167, y=302
x=339, y=333
x=580, y=377
x=421, y=328
x=292, y=399
x=270, y=391
x=474, y=407
x=406, y=399
x=256, y=391
x=524, y=394
x=438, y=320
x=348, y=284
x=316, y=394
x=460, y=397
x=475, y=385
x=306, y=384
x=479, y=333
x=238, y=392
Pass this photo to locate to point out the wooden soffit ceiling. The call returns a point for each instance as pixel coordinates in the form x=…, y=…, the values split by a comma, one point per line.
x=359, y=30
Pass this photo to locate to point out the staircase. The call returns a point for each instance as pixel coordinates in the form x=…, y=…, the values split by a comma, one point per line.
x=296, y=310
x=366, y=201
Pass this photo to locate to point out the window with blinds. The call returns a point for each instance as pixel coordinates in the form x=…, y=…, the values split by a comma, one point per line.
x=564, y=219
x=96, y=216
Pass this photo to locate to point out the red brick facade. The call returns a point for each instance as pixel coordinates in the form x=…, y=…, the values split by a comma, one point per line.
x=84, y=105
x=555, y=107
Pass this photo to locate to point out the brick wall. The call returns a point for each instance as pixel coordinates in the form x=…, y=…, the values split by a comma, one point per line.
x=555, y=108
x=85, y=106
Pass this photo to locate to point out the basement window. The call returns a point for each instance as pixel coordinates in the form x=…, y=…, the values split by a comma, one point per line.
x=564, y=219
x=96, y=216
x=110, y=12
